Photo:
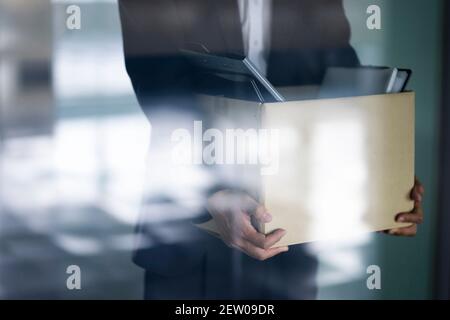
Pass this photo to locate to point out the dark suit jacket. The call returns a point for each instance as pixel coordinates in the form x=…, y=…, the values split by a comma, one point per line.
x=307, y=36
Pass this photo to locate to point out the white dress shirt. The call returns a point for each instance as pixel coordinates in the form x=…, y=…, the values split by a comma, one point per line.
x=255, y=20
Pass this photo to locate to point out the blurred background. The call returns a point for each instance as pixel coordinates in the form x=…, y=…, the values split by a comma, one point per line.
x=73, y=147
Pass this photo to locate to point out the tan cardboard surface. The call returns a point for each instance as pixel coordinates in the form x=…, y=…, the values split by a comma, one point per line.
x=345, y=166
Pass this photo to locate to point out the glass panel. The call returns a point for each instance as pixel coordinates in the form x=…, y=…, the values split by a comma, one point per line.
x=124, y=125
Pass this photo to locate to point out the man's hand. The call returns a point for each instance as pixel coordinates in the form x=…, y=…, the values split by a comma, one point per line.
x=233, y=213
x=415, y=216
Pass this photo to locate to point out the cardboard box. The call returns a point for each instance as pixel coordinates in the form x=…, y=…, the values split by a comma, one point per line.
x=344, y=166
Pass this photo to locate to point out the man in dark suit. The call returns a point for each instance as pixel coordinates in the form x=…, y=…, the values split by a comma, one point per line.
x=292, y=42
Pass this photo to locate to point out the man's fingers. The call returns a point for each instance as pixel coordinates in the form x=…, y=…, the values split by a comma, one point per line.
x=407, y=231
x=247, y=204
x=251, y=207
x=419, y=185
x=252, y=235
x=417, y=191
x=418, y=208
x=410, y=217
x=261, y=215
x=273, y=237
x=260, y=240
x=416, y=195
x=258, y=253
x=274, y=251
x=236, y=228
x=255, y=210
x=414, y=217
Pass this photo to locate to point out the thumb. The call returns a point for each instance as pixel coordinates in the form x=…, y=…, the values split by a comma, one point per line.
x=256, y=211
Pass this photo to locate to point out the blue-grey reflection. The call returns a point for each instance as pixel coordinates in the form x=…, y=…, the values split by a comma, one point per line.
x=81, y=167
